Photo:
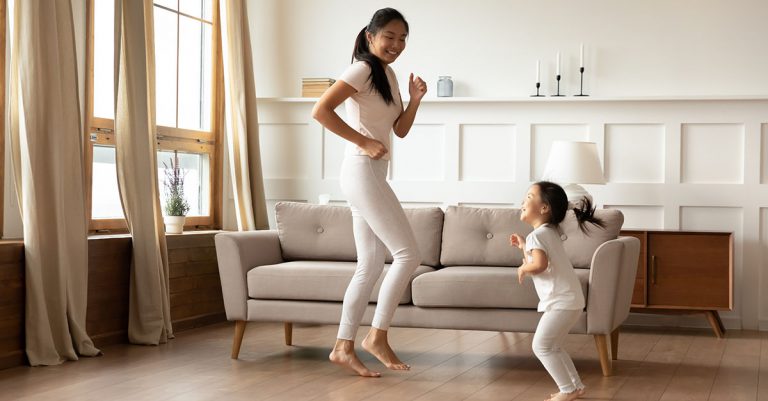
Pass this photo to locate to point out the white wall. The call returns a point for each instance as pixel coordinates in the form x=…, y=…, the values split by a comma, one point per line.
x=490, y=47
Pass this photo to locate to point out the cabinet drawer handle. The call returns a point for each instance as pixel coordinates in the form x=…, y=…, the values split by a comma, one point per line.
x=653, y=269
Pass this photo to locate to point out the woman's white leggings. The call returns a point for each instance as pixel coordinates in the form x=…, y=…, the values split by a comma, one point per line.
x=379, y=223
x=550, y=333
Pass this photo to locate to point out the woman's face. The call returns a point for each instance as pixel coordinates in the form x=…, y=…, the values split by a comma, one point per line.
x=533, y=208
x=388, y=42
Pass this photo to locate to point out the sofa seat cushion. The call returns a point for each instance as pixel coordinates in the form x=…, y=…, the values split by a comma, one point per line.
x=479, y=287
x=312, y=281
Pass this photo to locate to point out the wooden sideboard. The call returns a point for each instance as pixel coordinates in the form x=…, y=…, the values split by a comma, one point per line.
x=684, y=272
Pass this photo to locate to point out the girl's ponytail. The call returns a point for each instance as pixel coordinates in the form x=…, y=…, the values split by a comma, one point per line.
x=586, y=213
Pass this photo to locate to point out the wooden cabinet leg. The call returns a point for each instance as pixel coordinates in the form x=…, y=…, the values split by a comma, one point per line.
x=615, y=344
x=288, y=327
x=239, y=331
x=715, y=322
x=601, y=342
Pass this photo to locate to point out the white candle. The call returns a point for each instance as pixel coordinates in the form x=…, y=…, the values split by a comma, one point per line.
x=581, y=58
x=538, y=71
x=558, y=63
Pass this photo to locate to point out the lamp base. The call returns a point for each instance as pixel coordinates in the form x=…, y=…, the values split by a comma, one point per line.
x=576, y=194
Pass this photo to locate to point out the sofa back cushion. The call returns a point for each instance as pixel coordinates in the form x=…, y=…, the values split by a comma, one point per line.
x=323, y=232
x=480, y=236
x=581, y=246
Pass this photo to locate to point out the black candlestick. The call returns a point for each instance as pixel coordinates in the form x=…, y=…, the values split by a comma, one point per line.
x=538, y=85
x=581, y=84
x=558, y=86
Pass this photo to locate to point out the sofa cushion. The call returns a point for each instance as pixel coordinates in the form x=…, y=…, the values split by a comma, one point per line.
x=480, y=236
x=479, y=287
x=312, y=280
x=323, y=232
x=580, y=246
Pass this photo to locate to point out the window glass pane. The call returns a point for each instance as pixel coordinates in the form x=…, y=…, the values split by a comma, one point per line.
x=196, y=173
x=195, y=56
x=105, y=195
x=165, y=66
x=103, y=59
x=197, y=8
x=172, y=4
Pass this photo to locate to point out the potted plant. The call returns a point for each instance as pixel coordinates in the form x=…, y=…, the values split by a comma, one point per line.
x=176, y=206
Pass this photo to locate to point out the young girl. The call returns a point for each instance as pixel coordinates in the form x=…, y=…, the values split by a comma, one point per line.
x=374, y=109
x=560, y=295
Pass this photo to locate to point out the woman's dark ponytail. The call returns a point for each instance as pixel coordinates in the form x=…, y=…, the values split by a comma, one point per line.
x=361, y=52
x=586, y=214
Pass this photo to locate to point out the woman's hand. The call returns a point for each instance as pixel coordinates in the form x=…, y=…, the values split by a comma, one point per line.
x=374, y=149
x=417, y=88
x=517, y=241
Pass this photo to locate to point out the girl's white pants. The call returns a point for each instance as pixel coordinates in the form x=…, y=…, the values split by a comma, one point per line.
x=547, y=341
x=379, y=223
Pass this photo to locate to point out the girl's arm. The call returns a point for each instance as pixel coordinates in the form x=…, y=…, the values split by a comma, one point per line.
x=536, y=264
x=416, y=88
x=325, y=113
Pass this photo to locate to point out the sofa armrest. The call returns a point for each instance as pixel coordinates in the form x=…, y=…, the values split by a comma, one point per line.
x=611, y=282
x=237, y=253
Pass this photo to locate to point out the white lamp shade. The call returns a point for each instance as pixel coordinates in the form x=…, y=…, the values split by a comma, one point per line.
x=574, y=163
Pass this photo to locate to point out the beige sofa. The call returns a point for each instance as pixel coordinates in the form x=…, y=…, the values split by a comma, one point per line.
x=467, y=279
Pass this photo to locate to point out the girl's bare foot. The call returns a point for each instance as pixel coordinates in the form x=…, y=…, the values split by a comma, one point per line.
x=567, y=396
x=376, y=343
x=343, y=354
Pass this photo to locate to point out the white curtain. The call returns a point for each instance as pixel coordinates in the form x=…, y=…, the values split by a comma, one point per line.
x=47, y=157
x=136, y=149
x=241, y=118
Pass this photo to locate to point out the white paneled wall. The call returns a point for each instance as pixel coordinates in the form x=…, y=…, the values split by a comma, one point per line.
x=697, y=164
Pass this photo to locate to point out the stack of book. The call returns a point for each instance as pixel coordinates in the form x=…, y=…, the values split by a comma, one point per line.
x=314, y=87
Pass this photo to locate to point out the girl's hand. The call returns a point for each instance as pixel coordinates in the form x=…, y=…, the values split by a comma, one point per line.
x=520, y=274
x=517, y=241
x=374, y=149
x=417, y=88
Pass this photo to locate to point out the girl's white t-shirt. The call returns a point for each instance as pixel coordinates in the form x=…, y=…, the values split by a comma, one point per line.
x=367, y=112
x=557, y=286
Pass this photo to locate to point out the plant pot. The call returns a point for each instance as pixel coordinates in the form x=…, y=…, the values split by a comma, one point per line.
x=174, y=224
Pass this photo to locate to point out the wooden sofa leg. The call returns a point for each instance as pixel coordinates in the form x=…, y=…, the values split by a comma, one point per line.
x=239, y=331
x=288, y=327
x=601, y=341
x=615, y=344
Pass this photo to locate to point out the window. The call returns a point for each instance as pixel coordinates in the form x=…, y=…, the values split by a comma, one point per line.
x=185, y=92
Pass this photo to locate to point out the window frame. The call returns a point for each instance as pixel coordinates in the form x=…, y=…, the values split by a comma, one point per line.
x=100, y=131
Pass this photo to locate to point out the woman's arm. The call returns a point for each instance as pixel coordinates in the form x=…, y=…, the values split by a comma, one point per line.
x=325, y=113
x=416, y=88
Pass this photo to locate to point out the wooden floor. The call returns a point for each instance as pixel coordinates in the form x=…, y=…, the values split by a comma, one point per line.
x=669, y=365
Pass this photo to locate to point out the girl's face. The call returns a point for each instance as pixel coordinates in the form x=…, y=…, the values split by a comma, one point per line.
x=388, y=42
x=533, y=211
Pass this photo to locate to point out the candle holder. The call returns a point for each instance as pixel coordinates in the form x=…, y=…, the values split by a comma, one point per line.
x=581, y=83
x=558, y=86
x=538, y=85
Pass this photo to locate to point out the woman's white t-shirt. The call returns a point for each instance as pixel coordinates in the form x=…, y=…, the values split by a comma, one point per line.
x=557, y=286
x=367, y=112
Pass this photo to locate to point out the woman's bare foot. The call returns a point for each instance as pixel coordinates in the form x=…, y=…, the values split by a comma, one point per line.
x=343, y=354
x=376, y=343
x=567, y=396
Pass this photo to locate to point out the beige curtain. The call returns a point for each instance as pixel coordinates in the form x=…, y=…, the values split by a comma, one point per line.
x=149, y=309
x=241, y=119
x=46, y=142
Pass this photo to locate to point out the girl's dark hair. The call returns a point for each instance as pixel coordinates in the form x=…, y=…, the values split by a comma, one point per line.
x=378, y=78
x=554, y=196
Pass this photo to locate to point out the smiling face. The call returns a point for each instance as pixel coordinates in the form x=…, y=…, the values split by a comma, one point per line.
x=533, y=210
x=388, y=42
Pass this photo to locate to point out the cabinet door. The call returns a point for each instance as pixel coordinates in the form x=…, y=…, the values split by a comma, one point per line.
x=639, y=292
x=689, y=270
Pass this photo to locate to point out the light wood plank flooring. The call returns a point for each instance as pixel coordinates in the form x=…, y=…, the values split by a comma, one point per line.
x=654, y=364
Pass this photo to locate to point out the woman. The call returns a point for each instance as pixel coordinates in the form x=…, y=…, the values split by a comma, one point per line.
x=374, y=108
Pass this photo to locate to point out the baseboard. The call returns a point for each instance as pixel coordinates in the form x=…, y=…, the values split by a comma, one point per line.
x=115, y=337
x=13, y=359
x=198, y=321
